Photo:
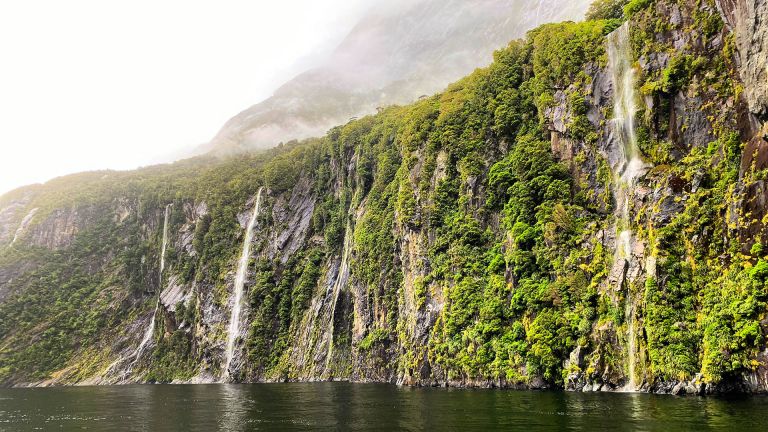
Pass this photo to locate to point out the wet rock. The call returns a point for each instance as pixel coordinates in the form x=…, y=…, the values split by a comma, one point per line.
x=24, y=225
x=538, y=383
x=667, y=207
x=58, y=229
x=174, y=294
x=749, y=20
x=691, y=127
x=292, y=220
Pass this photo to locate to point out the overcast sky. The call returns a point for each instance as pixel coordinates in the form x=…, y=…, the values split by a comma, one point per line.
x=94, y=84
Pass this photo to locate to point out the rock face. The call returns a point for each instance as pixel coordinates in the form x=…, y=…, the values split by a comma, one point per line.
x=8, y=219
x=59, y=229
x=748, y=19
x=384, y=254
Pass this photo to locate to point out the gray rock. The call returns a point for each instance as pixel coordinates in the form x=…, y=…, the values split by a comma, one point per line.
x=173, y=294
x=749, y=20
x=559, y=115
x=9, y=219
x=675, y=18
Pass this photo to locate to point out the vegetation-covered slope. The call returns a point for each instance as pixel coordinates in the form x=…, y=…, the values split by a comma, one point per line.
x=398, y=51
x=475, y=237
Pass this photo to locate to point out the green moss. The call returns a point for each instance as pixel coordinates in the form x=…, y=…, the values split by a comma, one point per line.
x=634, y=6
x=373, y=338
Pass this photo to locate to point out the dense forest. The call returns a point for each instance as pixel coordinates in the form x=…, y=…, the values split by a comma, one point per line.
x=489, y=235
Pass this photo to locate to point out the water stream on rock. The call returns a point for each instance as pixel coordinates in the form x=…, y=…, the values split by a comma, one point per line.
x=23, y=226
x=240, y=276
x=151, y=329
x=341, y=279
x=626, y=172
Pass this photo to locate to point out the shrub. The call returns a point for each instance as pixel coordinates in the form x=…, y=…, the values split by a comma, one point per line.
x=606, y=9
x=635, y=6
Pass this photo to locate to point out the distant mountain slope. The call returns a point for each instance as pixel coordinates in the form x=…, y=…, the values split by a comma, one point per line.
x=394, y=55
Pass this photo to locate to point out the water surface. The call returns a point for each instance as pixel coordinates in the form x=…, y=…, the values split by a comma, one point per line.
x=365, y=407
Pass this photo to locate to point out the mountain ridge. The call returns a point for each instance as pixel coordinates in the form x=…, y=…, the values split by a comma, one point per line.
x=393, y=56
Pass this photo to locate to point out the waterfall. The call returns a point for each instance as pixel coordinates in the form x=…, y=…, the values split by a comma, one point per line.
x=165, y=241
x=151, y=329
x=242, y=273
x=146, y=339
x=341, y=279
x=626, y=171
x=23, y=225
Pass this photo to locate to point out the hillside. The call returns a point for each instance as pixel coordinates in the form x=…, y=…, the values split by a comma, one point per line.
x=399, y=51
x=588, y=213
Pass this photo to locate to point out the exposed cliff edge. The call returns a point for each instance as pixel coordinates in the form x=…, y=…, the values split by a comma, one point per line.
x=588, y=213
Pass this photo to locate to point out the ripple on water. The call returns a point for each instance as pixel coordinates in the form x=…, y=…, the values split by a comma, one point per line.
x=362, y=407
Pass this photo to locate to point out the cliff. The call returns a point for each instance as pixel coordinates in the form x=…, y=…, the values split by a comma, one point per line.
x=588, y=213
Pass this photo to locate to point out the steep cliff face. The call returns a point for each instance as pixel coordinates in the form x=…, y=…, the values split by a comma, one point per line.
x=746, y=18
x=587, y=213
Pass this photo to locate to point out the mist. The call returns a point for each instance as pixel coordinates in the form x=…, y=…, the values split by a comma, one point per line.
x=397, y=53
x=88, y=84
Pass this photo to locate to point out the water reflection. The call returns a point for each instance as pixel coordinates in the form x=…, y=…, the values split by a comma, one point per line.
x=364, y=407
x=232, y=406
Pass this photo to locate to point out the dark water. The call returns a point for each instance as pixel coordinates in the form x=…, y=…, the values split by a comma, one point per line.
x=342, y=406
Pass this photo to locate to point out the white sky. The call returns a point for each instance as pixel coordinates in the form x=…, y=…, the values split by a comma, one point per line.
x=94, y=84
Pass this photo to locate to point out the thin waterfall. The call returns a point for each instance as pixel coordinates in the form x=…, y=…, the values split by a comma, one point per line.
x=165, y=242
x=151, y=329
x=23, y=225
x=628, y=170
x=242, y=273
x=341, y=279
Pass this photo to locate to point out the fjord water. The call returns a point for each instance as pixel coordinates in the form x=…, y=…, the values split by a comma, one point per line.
x=364, y=407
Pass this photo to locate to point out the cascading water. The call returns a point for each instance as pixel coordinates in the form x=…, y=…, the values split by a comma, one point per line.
x=24, y=223
x=151, y=329
x=242, y=273
x=341, y=279
x=627, y=170
x=165, y=241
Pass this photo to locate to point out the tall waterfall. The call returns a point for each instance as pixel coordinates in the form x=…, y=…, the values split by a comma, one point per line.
x=341, y=279
x=626, y=171
x=152, y=323
x=242, y=273
x=165, y=241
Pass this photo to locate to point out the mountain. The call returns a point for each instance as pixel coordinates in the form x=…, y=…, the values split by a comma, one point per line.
x=586, y=213
x=398, y=52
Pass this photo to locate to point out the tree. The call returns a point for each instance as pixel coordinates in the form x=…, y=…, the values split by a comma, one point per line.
x=606, y=9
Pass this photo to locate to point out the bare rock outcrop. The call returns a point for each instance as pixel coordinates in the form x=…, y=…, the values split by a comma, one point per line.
x=749, y=21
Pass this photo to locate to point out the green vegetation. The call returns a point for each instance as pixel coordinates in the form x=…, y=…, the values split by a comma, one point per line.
x=606, y=9
x=476, y=249
x=635, y=6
